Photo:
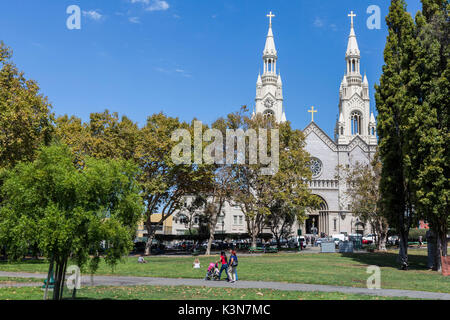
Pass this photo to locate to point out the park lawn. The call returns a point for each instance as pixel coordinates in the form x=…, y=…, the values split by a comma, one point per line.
x=309, y=268
x=183, y=293
x=12, y=280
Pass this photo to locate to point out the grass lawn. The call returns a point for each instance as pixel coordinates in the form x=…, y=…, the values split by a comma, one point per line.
x=183, y=293
x=12, y=280
x=329, y=269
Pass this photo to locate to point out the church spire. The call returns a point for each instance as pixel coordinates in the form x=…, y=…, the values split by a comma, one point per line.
x=270, y=51
x=353, y=55
x=269, y=86
x=354, y=98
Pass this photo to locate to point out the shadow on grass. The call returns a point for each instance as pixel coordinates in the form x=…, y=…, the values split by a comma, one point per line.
x=389, y=260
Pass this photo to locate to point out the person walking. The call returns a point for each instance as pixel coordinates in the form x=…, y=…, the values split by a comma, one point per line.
x=232, y=269
x=224, y=262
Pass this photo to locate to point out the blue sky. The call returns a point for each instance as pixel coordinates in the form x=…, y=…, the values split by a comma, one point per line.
x=190, y=58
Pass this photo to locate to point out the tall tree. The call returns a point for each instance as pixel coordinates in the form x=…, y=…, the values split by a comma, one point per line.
x=363, y=192
x=256, y=192
x=25, y=117
x=68, y=212
x=391, y=100
x=165, y=184
x=427, y=119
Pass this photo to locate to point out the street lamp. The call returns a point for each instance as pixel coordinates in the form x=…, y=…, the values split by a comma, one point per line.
x=223, y=232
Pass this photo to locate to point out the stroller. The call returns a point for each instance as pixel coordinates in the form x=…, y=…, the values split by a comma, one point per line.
x=212, y=272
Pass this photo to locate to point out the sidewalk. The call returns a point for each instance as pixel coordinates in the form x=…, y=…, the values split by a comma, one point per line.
x=146, y=281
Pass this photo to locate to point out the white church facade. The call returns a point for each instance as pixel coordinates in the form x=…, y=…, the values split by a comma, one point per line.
x=354, y=141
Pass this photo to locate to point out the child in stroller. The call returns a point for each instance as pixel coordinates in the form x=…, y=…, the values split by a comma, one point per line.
x=213, y=271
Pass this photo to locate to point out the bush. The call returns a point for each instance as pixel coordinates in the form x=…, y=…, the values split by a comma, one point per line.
x=414, y=234
x=370, y=247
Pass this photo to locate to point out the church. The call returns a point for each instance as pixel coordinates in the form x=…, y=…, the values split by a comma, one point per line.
x=354, y=141
x=354, y=137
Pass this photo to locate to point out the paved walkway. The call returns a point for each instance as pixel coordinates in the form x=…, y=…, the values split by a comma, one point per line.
x=146, y=281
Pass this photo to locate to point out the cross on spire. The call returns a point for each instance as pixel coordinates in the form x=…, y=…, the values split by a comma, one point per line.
x=270, y=16
x=352, y=15
x=312, y=111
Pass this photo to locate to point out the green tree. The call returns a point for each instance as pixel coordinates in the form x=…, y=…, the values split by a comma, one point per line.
x=105, y=136
x=25, y=118
x=68, y=212
x=391, y=100
x=363, y=192
x=255, y=192
x=164, y=184
x=281, y=221
x=427, y=156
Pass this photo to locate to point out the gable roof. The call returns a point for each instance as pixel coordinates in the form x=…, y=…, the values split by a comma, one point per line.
x=313, y=127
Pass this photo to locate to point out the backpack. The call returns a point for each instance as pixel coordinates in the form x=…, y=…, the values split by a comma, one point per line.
x=235, y=261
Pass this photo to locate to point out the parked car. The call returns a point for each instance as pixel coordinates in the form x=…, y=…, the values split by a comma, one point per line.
x=370, y=238
x=338, y=237
x=393, y=240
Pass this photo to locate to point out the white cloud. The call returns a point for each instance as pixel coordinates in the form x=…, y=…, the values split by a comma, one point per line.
x=134, y=20
x=93, y=14
x=158, y=5
x=318, y=22
x=172, y=71
x=153, y=5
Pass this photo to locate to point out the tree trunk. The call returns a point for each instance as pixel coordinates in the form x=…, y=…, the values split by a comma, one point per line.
x=254, y=236
x=63, y=278
x=50, y=270
x=382, y=241
x=212, y=229
x=403, y=250
x=148, y=245
x=381, y=234
x=57, y=285
x=278, y=242
x=441, y=248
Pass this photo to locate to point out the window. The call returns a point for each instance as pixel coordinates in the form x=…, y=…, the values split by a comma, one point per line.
x=316, y=167
x=235, y=219
x=356, y=121
x=268, y=114
x=241, y=220
x=335, y=224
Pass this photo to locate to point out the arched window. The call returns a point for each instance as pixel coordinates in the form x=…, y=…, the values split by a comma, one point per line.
x=269, y=116
x=356, y=121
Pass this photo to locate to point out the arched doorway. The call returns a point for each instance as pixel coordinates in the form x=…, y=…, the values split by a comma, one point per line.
x=359, y=228
x=317, y=219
